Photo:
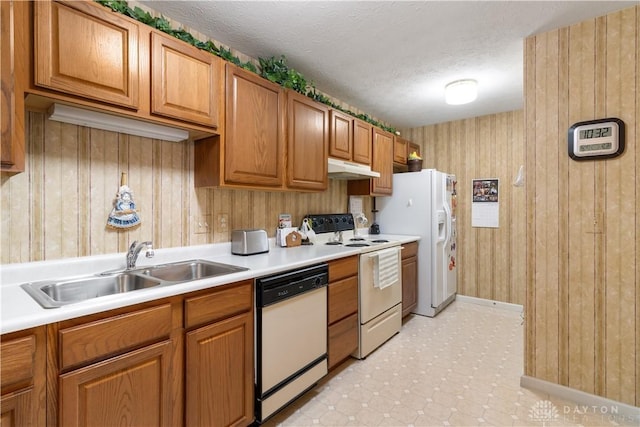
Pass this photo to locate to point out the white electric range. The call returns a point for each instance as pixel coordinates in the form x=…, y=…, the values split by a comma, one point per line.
x=379, y=277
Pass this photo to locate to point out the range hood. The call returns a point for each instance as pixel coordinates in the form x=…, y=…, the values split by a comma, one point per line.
x=340, y=169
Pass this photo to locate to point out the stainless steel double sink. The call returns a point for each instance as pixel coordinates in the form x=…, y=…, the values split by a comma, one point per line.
x=53, y=294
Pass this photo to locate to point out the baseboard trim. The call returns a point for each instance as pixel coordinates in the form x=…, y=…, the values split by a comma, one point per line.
x=491, y=303
x=584, y=402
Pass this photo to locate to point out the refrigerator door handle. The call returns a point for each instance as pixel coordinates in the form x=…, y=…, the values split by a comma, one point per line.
x=447, y=210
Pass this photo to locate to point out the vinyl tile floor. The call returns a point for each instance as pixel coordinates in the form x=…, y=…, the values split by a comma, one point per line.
x=461, y=368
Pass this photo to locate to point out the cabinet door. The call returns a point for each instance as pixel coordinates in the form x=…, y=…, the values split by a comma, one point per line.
x=341, y=135
x=11, y=101
x=342, y=299
x=254, y=132
x=362, y=142
x=219, y=373
x=342, y=339
x=23, y=378
x=16, y=409
x=382, y=162
x=409, y=277
x=6, y=74
x=134, y=389
x=400, y=147
x=185, y=81
x=86, y=50
x=308, y=143
x=409, y=284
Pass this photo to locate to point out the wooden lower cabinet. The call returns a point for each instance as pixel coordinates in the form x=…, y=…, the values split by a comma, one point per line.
x=343, y=339
x=409, y=277
x=185, y=360
x=120, y=367
x=23, y=378
x=181, y=361
x=133, y=389
x=16, y=409
x=219, y=384
x=342, y=306
x=219, y=357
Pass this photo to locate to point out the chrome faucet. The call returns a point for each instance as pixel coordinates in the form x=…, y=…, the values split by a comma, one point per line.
x=134, y=250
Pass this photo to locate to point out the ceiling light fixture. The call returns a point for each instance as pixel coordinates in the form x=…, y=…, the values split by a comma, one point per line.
x=78, y=116
x=461, y=92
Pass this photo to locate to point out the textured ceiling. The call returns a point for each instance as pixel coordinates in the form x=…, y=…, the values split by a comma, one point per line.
x=392, y=59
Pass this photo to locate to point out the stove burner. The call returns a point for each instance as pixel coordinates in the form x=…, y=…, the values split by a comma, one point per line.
x=333, y=243
x=357, y=245
x=380, y=241
x=355, y=239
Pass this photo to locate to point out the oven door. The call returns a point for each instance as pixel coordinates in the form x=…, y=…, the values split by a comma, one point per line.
x=373, y=300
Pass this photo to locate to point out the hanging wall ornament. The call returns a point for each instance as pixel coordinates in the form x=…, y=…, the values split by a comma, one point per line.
x=123, y=215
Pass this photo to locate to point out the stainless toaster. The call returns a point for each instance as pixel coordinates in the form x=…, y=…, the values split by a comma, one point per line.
x=249, y=242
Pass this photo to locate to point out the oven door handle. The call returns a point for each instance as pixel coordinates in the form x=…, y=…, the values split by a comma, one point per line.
x=375, y=255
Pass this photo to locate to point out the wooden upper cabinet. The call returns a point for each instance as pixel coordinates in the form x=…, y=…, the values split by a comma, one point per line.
x=362, y=133
x=382, y=162
x=84, y=50
x=12, y=135
x=186, y=83
x=308, y=143
x=400, y=147
x=350, y=138
x=341, y=135
x=253, y=148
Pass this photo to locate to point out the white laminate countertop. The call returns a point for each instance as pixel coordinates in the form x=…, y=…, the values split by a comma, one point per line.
x=18, y=310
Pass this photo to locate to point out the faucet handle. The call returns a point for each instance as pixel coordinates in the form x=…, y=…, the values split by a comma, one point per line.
x=132, y=246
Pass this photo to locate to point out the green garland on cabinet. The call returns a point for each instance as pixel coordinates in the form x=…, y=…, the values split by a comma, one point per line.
x=272, y=69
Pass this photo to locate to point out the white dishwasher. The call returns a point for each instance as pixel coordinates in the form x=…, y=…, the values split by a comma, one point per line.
x=291, y=336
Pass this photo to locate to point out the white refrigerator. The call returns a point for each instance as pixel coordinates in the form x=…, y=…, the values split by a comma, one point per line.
x=424, y=204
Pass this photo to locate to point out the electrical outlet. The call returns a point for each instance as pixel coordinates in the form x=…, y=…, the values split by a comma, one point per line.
x=202, y=224
x=223, y=222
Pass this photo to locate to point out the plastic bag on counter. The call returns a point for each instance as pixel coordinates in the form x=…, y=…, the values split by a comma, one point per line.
x=308, y=235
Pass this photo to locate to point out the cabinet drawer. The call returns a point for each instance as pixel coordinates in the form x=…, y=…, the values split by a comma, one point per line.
x=113, y=335
x=409, y=250
x=17, y=362
x=218, y=304
x=343, y=299
x=343, y=267
x=343, y=339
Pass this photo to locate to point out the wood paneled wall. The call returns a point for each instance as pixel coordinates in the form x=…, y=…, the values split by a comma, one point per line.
x=491, y=260
x=59, y=207
x=583, y=250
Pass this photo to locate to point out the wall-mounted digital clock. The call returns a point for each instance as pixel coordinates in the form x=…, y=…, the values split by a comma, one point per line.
x=596, y=139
